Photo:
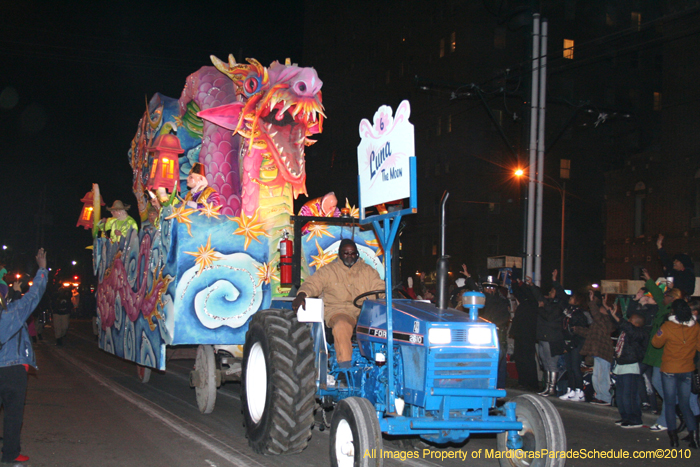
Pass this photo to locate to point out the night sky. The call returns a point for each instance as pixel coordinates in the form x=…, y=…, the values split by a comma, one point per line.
x=74, y=79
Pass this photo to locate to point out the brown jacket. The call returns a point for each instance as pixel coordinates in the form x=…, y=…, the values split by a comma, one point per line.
x=338, y=285
x=598, y=342
x=680, y=341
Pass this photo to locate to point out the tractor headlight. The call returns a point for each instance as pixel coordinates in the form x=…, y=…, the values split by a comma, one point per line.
x=479, y=335
x=439, y=335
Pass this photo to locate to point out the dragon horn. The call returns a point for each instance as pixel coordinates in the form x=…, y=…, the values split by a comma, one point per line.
x=231, y=61
x=221, y=66
x=288, y=61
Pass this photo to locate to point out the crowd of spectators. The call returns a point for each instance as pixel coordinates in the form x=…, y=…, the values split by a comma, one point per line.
x=607, y=350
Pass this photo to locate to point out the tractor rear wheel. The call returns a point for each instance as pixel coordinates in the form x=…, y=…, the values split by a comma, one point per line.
x=542, y=429
x=355, y=433
x=278, y=384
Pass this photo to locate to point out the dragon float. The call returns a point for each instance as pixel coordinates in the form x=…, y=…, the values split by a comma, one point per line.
x=199, y=276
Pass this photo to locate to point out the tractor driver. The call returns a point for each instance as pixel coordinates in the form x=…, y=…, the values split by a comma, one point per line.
x=339, y=282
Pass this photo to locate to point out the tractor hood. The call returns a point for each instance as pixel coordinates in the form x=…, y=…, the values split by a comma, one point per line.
x=412, y=321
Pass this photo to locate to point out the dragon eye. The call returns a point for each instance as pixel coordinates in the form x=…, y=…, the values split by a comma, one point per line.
x=250, y=85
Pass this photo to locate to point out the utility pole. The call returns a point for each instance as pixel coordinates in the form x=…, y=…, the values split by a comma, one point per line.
x=529, y=249
x=537, y=277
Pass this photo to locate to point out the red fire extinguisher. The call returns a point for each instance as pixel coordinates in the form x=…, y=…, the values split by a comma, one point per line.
x=286, y=251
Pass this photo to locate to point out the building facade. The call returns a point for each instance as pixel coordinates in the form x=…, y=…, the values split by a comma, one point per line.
x=465, y=68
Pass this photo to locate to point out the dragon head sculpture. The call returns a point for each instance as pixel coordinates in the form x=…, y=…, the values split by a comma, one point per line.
x=277, y=110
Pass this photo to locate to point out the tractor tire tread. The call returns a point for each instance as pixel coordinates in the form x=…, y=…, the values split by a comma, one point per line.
x=292, y=361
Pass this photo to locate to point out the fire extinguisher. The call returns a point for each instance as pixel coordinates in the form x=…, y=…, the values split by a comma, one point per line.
x=286, y=251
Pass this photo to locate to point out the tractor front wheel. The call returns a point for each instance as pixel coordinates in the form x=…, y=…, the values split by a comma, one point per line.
x=542, y=429
x=356, y=439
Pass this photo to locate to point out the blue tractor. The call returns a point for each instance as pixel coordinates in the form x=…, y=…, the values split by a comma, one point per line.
x=418, y=370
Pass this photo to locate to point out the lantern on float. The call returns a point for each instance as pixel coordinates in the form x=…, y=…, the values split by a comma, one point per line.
x=85, y=219
x=165, y=169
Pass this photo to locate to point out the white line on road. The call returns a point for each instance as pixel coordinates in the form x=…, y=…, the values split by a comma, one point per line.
x=171, y=420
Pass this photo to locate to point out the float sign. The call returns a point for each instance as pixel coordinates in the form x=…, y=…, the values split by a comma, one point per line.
x=384, y=155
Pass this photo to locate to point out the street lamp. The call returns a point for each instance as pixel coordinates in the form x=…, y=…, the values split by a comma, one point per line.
x=73, y=263
x=562, y=191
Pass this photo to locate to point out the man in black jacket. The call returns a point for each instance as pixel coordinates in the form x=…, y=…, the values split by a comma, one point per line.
x=524, y=333
x=680, y=269
x=629, y=352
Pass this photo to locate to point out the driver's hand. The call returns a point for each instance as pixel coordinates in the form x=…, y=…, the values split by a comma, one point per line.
x=299, y=300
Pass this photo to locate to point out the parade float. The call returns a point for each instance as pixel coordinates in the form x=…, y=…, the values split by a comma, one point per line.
x=205, y=273
x=196, y=274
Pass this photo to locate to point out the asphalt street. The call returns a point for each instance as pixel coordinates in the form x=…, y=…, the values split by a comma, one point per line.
x=87, y=408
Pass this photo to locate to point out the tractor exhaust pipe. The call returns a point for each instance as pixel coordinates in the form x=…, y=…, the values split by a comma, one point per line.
x=443, y=263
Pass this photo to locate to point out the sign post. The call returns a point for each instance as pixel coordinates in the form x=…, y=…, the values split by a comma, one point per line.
x=387, y=173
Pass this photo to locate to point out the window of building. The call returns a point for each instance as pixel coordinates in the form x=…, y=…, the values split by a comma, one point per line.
x=449, y=123
x=499, y=38
x=453, y=41
x=569, y=49
x=564, y=168
x=657, y=101
x=447, y=167
x=442, y=48
x=637, y=20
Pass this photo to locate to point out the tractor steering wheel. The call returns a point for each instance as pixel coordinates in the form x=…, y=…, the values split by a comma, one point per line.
x=367, y=294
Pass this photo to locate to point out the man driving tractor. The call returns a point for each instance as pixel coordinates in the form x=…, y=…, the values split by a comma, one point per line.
x=339, y=283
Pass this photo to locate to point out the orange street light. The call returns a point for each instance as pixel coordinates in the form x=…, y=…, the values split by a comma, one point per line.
x=519, y=173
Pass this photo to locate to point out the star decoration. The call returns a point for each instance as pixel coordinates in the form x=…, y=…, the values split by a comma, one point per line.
x=375, y=244
x=205, y=256
x=322, y=258
x=181, y=214
x=210, y=210
x=318, y=230
x=354, y=212
x=249, y=227
x=266, y=273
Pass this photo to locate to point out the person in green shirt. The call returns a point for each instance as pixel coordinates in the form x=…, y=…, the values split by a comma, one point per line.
x=653, y=355
x=120, y=222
